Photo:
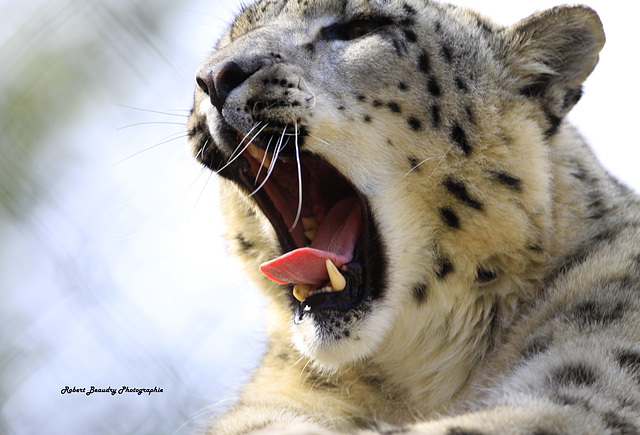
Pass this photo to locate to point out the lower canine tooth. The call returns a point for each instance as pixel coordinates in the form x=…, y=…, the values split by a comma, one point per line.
x=310, y=223
x=301, y=291
x=338, y=282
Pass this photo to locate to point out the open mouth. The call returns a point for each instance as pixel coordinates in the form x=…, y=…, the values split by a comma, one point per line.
x=324, y=225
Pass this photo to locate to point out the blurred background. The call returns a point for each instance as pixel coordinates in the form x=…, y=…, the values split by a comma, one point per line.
x=113, y=271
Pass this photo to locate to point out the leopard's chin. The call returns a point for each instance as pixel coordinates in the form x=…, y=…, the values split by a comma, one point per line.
x=333, y=346
x=332, y=263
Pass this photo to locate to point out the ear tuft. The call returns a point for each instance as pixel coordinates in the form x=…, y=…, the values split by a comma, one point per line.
x=551, y=53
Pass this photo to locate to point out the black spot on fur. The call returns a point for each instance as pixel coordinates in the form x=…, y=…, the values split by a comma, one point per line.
x=362, y=423
x=402, y=86
x=470, y=116
x=420, y=293
x=484, y=25
x=433, y=87
x=361, y=97
x=409, y=9
x=567, y=400
x=461, y=431
x=541, y=431
x=460, y=84
x=513, y=183
x=536, y=347
x=410, y=35
x=284, y=356
x=583, y=175
x=413, y=162
x=445, y=267
x=484, y=275
x=459, y=190
x=309, y=48
x=340, y=107
x=399, y=430
x=245, y=245
x=424, y=64
x=199, y=128
x=460, y=138
x=630, y=361
x=449, y=217
x=554, y=123
x=394, y=107
x=576, y=374
x=366, y=118
x=320, y=382
x=446, y=53
x=399, y=46
x=414, y=123
x=493, y=319
x=538, y=88
x=435, y=115
x=607, y=234
x=376, y=103
x=572, y=261
x=591, y=313
x=618, y=424
x=571, y=98
x=597, y=204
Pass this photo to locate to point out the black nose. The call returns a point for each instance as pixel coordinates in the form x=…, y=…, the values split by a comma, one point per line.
x=219, y=82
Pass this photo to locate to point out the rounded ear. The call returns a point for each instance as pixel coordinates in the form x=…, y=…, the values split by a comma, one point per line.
x=551, y=53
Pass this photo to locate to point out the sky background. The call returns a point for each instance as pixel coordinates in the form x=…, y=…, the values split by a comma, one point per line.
x=112, y=267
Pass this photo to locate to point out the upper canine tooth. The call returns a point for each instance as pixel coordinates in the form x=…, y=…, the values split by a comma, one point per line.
x=338, y=282
x=259, y=155
x=255, y=152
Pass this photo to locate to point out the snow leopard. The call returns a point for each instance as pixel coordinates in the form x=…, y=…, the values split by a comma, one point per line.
x=440, y=250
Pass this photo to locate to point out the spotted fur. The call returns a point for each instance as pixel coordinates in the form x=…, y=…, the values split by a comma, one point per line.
x=506, y=297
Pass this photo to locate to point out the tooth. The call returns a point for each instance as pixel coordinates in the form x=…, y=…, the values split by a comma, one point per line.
x=311, y=234
x=255, y=152
x=338, y=282
x=301, y=291
x=259, y=155
x=310, y=223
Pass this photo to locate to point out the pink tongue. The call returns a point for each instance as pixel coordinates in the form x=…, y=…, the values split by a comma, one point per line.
x=335, y=240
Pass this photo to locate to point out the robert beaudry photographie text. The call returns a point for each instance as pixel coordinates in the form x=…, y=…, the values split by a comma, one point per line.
x=113, y=391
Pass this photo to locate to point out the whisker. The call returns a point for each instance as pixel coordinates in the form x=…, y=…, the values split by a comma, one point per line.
x=206, y=183
x=273, y=162
x=181, y=135
x=266, y=151
x=425, y=160
x=313, y=95
x=317, y=138
x=440, y=162
x=148, y=123
x=240, y=144
x=202, y=148
x=299, y=165
x=150, y=111
x=243, y=149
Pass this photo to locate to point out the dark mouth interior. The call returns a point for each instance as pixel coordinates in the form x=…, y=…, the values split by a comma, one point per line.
x=322, y=188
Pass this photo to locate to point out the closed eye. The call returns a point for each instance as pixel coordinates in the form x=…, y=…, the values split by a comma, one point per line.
x=352, y=30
